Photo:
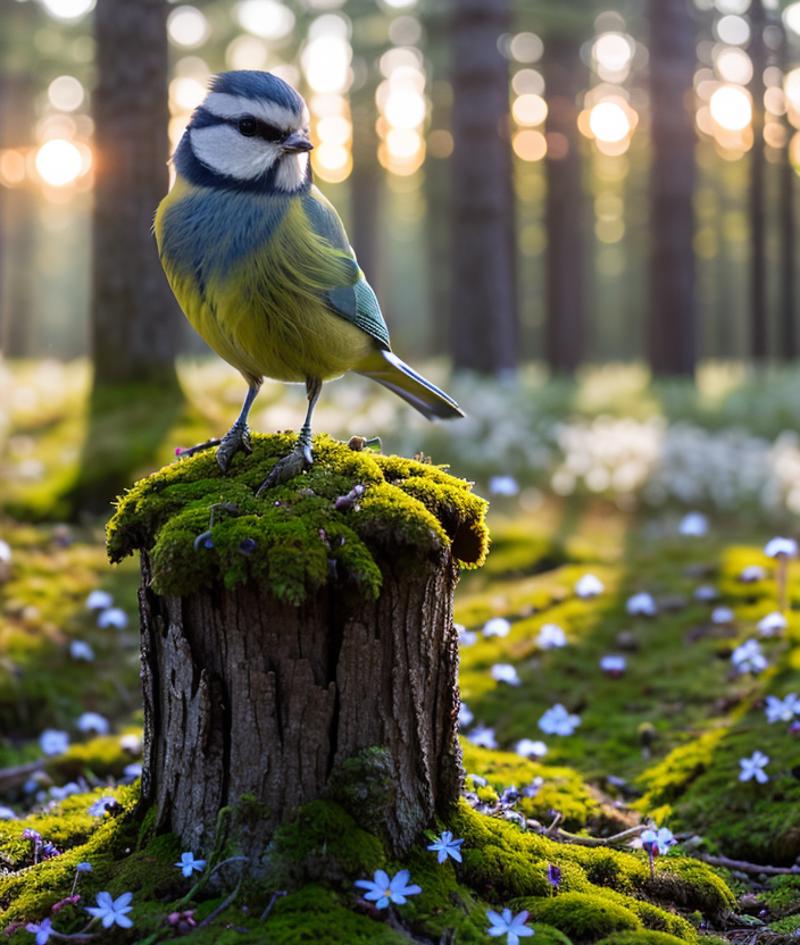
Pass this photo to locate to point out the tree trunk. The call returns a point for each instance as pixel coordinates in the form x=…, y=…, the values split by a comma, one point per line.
x=787, y=349
x=564, y=325
x=247, y=696
x=135, y=324
x=484, y=321
x=672, y=342
x=758, y=259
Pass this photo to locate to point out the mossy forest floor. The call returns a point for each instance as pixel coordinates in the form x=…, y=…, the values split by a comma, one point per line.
x=660, y=741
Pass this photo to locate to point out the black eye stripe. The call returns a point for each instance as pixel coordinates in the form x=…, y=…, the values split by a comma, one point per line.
x=261, y=129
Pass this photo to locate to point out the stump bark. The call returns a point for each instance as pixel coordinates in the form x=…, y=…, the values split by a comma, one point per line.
x=248, y=696
x=302, y=646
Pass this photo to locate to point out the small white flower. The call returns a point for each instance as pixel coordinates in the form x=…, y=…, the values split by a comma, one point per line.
x=5, y=552
x=748, y=658
x=781, y=548
x=80, y=650
x=99, y=600
x=6, y=813
x=642, y=605
x=589, y=586
x=752, y=574
x=188, y=864
x=93, y=722
x=530, y=748
x=130, y=743
x=112, y=911
x=101, y=806
x=551, y=637
x=706, y=593
x=113, y=617
x=465, y=715
x=658, y=841
x=782, y=710
x=722, y=616
x=503, y=485
x=483, y=736
x=613, y=664
x=693, y=525
x=753, y=767
x=53, y=742
x=557, y=721
x=496, y=627
x=772, y=624
x=507, y=673
x=465, y=637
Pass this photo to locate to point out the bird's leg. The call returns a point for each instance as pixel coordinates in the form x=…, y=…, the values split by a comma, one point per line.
x=237, y=438
x=301, y=456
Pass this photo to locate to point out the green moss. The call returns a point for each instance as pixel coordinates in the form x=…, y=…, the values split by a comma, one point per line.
x=321, y=843
x=409, y=510
x=584, y=917
x=563, y=789
x=642, y=937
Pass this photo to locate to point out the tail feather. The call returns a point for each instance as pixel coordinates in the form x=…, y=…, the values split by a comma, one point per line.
x=387, y=369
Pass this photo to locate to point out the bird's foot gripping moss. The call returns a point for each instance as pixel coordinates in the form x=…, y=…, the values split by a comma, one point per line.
x=237, y=438
x=287, y=468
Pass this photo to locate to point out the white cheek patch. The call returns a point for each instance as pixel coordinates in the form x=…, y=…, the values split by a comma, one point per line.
x=226, y=151
x=224, y=105
x=291, y=173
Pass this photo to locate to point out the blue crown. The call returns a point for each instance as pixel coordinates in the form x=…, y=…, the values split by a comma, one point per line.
x=258, y=85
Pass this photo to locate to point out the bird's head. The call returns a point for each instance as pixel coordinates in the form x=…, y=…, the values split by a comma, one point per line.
x=251, y=128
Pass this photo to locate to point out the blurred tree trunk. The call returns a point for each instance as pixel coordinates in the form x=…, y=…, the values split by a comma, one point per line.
x=787, y=237
x=564, y=325
x=17, y=220
x=365, y=181
x=484, y=320
x=135, y=325
x=758, y=260
x=672, y=342
x=135, y=322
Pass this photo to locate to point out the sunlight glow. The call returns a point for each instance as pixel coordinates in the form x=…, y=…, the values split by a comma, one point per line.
x=529, y=110
x=529, y=145
x=613, y=52
x=791, y=18
x=68, y=9
x=65, y=93
x=268, y=19
x=733, y=30
x=609, y=122
x=734, y=65
x=326, y=64
x=731, y=107
x=12, y=168
x=59, y=162
x=187, y=27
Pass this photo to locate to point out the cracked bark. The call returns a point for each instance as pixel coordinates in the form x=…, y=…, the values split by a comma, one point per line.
x=246, y=695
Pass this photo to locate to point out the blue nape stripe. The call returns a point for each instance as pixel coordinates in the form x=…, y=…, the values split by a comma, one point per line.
x=258, y=85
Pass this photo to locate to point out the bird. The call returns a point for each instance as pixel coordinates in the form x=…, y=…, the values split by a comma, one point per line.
x=260, y=263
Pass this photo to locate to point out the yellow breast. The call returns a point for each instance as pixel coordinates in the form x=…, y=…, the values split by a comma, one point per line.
x=264, y=312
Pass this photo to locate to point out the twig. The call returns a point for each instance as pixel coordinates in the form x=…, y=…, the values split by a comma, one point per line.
x=744, y=867
x=563, y=836
x=221, y=907
x=10, y=777
x=270, y=905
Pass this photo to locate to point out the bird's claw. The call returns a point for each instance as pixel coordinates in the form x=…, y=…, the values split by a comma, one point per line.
x=237, y=438
x=287, y=468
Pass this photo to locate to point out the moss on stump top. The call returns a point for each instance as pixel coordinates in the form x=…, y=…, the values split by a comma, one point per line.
x=201, y=527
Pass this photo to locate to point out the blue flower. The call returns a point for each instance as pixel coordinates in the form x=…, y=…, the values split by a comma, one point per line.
x=553, y=875
x=381, y=890
x=42, y=930
x=112, y=911
x=446, y=846
x=188, y=864
x=658, y=841
x=84, y=867
x=510, y=925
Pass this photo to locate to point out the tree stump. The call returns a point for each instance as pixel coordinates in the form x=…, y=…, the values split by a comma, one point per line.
x=300, y=645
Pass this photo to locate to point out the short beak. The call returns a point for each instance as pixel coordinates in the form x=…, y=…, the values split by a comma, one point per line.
x=296, y=143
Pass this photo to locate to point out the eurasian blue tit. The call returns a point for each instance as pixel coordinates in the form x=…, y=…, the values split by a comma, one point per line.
x=260, y=262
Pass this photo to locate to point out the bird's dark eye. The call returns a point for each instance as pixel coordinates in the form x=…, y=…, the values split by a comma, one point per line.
x=248, y=126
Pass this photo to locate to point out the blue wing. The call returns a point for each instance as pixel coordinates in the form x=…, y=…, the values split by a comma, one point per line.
x=356, y=302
